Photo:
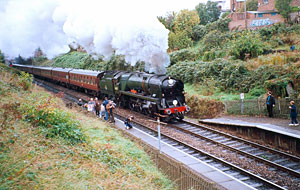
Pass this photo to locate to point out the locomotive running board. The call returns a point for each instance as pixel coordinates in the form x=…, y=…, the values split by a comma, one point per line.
x=139, y=96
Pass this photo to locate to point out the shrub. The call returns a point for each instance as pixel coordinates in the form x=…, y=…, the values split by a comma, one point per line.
x=179, y=40
x=204, y=108
x=183, y=55
x=41, y=111
x=25, y=80
x=199, y=31
x=247, y=45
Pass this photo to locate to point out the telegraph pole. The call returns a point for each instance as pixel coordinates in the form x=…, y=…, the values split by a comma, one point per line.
x=245, y=10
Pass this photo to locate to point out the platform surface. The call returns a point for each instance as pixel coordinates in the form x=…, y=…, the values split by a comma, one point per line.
x=280, y=126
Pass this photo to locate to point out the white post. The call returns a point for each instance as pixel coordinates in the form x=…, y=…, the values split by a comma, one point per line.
x=158, y=130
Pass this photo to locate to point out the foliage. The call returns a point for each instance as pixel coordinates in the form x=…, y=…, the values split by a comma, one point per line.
x=185, y=21
x=73, y=59
x=225, y=15
x=252, y=5
x=40, y=110
x=204, y=108
x=208, y=12
x=221, y=25
x=284, y=8
x=25, y=80
x=22, y=61
x=179, y=40
x=183, y=55
x=248, y=45
x=168, y=20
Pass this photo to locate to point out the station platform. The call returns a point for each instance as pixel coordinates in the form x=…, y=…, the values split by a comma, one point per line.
x=276, y=125
x=211, y=173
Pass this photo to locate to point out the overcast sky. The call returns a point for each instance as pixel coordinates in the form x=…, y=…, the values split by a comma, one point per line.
x=174, y=5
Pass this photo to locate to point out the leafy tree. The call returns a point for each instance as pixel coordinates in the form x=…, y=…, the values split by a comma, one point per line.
x=208, y=12
x=252, y=5
x=168, y=20
x=185, y=21
x=284, y=8
x=179, y=40
x=182, y=35
x=247, y=45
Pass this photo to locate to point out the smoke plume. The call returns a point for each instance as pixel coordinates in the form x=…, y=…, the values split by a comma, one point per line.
x=101, y=27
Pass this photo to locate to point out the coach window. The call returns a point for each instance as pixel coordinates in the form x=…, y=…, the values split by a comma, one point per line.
x=81, y=79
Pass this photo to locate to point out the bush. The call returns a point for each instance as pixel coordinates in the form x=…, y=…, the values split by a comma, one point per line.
x=25, y=80
x=199, y=32
x=179, y=40
x=40, y=110
x=204, y=108
x=183, y=55
x=248, y=45
x=256, y=92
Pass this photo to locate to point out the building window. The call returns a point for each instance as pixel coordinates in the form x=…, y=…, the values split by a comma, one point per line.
x=273, y=14
x=260, y=15
x=266, y=1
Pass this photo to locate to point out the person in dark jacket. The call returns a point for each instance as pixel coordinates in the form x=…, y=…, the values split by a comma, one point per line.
x=104, y=103
x=293, y=114
x=270, y=103
x=97, y=106
x=127, y=122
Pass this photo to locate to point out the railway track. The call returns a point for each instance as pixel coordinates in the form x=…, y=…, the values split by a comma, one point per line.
x=278, y=160
x=241, y=174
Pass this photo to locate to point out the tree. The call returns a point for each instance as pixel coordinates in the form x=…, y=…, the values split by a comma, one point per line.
x=208, y=12
x=168, y=20
x=252, y=5
x=182, y=34
x=185, y=21
x=284, y=8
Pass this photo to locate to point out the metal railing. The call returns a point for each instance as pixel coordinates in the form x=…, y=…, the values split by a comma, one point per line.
x=258, y=107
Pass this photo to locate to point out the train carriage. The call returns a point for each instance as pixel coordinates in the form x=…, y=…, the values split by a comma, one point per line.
x=46, y=72
x=25, y=68
x=86, y=79
x=61, y=75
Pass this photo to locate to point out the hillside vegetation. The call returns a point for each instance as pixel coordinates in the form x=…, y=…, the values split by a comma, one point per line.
x=43, y=145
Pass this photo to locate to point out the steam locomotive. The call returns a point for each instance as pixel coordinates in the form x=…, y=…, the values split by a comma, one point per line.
x=150, y=94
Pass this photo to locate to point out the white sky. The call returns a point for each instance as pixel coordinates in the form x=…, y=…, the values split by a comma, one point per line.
x=161, y=7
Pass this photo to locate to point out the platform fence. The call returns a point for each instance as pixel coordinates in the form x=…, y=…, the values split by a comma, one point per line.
x=258, y=107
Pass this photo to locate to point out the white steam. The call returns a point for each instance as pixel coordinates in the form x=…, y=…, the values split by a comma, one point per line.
x=123, y=27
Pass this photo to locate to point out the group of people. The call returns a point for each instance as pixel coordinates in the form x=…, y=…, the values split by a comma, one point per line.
x=101, y=110
x=293, y=112
x=104, y=110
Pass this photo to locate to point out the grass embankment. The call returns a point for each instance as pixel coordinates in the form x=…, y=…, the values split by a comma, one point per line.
x=43, y=145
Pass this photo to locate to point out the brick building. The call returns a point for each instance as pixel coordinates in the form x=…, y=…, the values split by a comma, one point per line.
x=265, y=15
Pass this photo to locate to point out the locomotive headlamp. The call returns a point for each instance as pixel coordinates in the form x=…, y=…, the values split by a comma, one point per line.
x=171, y=82
x=175, y=102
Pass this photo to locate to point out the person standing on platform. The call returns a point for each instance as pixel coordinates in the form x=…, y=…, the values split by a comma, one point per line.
x=293, y=114
x=109, y=107
x=270, y=103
